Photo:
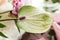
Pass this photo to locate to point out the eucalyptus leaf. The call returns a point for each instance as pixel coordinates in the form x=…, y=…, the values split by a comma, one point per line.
x=1, y=34
x=2, y=25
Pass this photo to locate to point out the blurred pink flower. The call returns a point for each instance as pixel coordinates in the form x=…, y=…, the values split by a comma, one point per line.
x=56, y=16
x=56, y=26
x=16, y=5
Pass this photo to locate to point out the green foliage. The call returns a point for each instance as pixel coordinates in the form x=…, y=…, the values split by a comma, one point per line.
x=46, y=0
x=1, y=34
x=52, y=33
x=2, y=25
x=54, y=1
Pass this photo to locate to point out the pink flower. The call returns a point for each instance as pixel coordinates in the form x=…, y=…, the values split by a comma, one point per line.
x=56, y=16
x=55, y=24
x=16, y=5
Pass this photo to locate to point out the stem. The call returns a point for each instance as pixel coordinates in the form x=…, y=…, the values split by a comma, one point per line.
x=21, y=18
x=8, y=19
x=17, y=26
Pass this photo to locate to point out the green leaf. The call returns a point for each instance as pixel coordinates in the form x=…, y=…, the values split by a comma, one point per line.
x=54, y=1
x=52, y=33
x=1, y=34
x=0, y=16
x=2, y=25
x=46, y=0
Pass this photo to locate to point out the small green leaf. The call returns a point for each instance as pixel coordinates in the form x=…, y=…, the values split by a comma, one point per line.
x=46, y=0
x=54, y=1
x=2, y=25
x=51, y=32
x=1, y=34
x=0, y=16
x=54, y=10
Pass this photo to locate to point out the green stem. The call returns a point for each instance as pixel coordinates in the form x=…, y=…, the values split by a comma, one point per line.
x=17, y=25
x=8, y=19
